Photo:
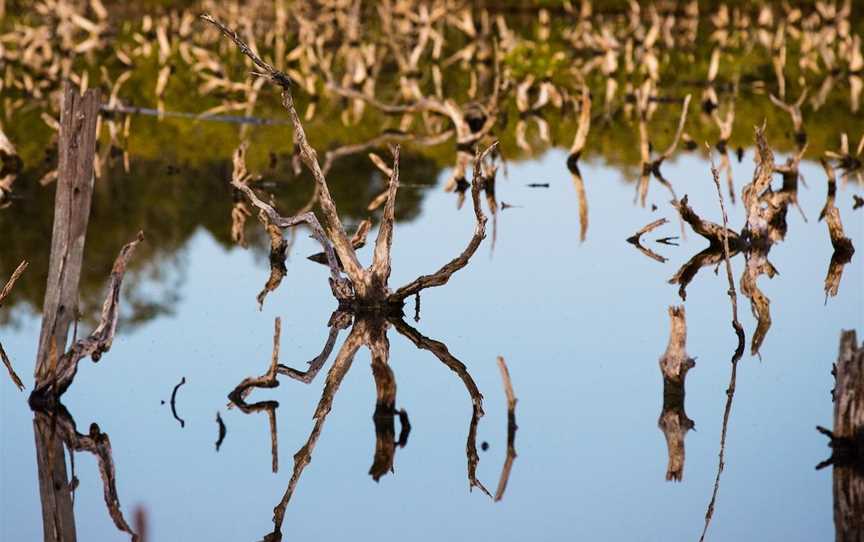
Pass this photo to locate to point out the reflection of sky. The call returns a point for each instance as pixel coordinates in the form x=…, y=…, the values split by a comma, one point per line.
x=581, y=327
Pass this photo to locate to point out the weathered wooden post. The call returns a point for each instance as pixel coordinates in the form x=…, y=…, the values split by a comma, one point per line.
x=71, y=214
x=847, y=440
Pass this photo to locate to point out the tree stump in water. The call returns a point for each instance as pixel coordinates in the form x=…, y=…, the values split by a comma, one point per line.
x=847, y=440
x=673, y=421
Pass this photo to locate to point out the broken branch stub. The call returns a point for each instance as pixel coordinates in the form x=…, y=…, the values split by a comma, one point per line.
x=709, y=230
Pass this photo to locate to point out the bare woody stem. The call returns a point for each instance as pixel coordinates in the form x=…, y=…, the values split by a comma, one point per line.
x=443, y=275
x=332, y=222
x=381, y=258
x=724, y=236
x=341, y=290
x=4, y=293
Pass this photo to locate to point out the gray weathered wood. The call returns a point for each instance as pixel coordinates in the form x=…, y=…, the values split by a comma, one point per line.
x=849, y=438
x=58, y=520
x=71, y=213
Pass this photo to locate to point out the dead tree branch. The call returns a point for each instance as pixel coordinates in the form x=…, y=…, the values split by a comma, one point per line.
x=59, y=373
x=736, y=325
x=4, y=293
x=714, y=233
x=443, y=275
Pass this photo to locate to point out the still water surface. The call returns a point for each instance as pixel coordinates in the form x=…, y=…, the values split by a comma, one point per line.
x=581, y=326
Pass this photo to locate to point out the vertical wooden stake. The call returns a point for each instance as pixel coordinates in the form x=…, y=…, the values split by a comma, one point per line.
x=71, y=214
x=848, y=440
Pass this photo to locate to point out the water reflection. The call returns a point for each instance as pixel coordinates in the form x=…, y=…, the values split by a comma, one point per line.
x=674, y=365
x=441, y=80
x=370, y=331
x=56, y=432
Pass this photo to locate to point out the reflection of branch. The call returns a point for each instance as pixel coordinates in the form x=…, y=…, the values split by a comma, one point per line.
x=315, y=364
x=304, y=455
x=58, y=423
x=579, y=185
x=634, y=239
x=687, y=272
x=385, y=404
x=222, y=431
x=760, y=305
x=847, y=438
x=443, y=354
x=843, y=249
x=511, y=430
x=174, y=402
x=238, y=396
x=58, y=375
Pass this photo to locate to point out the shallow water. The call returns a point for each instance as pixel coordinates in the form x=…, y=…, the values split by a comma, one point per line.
x=581, y=325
